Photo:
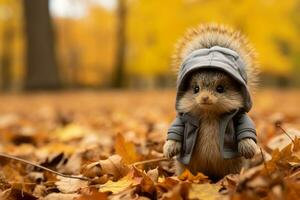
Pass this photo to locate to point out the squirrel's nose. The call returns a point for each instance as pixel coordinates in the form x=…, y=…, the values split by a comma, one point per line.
x=205, y=98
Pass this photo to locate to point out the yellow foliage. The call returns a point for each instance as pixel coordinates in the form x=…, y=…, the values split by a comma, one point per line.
x=86, y=46
x=154, y=27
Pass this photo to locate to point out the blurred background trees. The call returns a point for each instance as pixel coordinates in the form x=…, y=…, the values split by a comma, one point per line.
x=41, y=67
x=116, y=43
x=119, y=68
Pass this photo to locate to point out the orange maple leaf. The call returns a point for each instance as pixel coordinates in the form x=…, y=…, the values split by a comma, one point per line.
x=126, y=150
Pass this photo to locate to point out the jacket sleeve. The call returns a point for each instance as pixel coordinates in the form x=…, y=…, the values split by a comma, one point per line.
x=176, y=130
x=244, y=127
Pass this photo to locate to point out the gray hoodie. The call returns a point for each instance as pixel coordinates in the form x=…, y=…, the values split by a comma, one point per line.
x=234, y=126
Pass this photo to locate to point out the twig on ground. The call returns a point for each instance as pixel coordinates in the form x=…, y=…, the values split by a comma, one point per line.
x=21, y=183
x=42, y=167
x=284, y=131
x=70, y=176
x=150, y=161
x=264, y=160
x=295, y=174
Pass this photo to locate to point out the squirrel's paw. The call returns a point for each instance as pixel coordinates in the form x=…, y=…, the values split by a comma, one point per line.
x=247, y=148
x=171, y=148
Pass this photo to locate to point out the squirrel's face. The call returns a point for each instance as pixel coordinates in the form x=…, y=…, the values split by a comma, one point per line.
x=211, y=92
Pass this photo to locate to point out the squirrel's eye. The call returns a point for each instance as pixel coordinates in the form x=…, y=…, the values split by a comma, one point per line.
x=196, y=89
x=220, y=89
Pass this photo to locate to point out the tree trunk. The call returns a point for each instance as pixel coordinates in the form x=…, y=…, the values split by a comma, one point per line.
x=118, y=75
x=42, y=72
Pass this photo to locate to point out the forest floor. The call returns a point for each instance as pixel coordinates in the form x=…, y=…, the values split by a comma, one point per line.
x=105, y=136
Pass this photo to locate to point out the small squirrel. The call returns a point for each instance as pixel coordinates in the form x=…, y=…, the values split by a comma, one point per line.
x=212, y=133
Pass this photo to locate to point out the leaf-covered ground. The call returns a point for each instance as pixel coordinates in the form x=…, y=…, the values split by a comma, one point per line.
x=115, y=140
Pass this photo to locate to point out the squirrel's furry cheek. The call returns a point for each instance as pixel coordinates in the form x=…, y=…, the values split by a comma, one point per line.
x=231, y=102
x=186, y=103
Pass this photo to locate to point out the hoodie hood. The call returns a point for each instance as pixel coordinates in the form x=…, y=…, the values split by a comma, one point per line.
x=218, y=58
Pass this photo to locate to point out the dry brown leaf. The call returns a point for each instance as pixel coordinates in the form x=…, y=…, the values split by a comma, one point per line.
x=188, y=176
x=178, y=192
x=165, y=185
x=282, y=140
x=146, y=184
x=16, y=194
x=292, y=189
x=39, y=191
x=126, y=150
x=153, y=174
x=296, y=149
x=229, y=183
x=92, y=194
x=4, y=184
x=250, y=174
x=73, y=166
x=60, y=196
x=113, y=166
x=258, y=181
x=68, y=185
x=282, y=159
x=12, y=173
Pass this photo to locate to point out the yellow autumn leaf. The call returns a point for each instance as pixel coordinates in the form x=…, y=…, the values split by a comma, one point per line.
x=188, y=176
x=126, y=150
x=71, y=131
x=204, y=191
x=120, y=185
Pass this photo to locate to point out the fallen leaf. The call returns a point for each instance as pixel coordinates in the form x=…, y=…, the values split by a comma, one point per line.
x=126, y=150
x=69, y=185
x=40, y=133
x=113, y=166
x=178, y=192
x=204, y=191
x=229, y=183
x=249, y=174
x=39, y=191
x=153, y=174
x=60, y=196
x=146, y=185
x=73, y=166
x=120, y=185
x=129, y=193
x=16, y=194
x=71, y=131
x=282, y=140
x=292, y=189
x=188, y=176
x=92, y=194
x=165, y=185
